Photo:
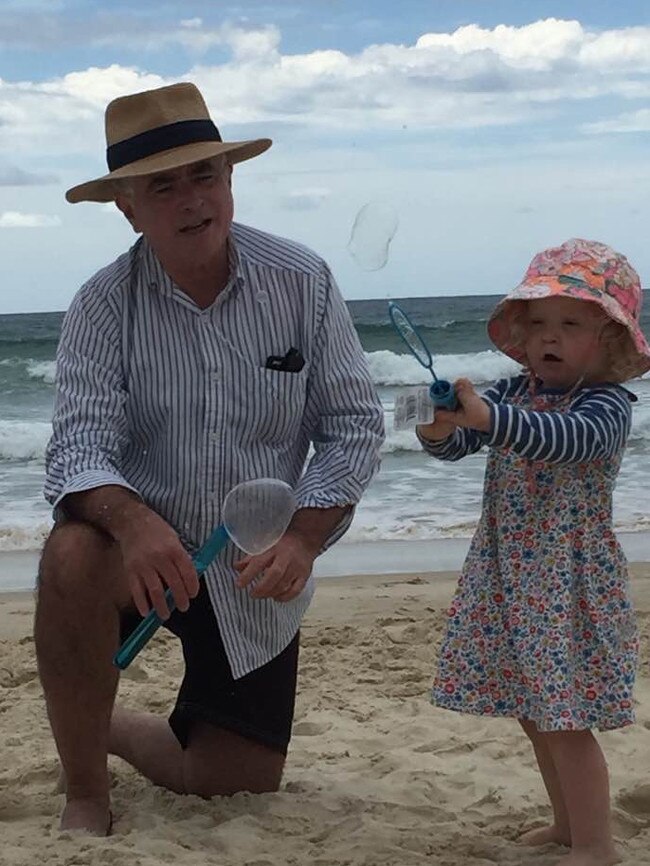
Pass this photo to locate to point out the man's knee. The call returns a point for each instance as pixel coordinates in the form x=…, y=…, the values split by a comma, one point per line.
x=75, y=555
x=210, y=782
x=221, y=763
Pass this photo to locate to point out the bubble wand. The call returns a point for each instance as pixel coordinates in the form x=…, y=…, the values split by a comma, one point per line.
x=255, y=516
x=441, y=392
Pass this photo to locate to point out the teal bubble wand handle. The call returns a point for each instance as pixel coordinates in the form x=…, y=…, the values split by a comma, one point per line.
x=143, y=633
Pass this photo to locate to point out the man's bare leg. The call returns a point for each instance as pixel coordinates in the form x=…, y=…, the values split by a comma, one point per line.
x=216, y=761
x=81, y=589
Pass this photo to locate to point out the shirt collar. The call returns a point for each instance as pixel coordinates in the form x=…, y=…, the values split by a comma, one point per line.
x=153, y=275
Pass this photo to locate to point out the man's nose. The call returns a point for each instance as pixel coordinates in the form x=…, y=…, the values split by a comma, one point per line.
x=189, y=195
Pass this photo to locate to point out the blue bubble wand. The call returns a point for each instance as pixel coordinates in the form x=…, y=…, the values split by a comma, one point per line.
x=255, y=515
x=441, y=392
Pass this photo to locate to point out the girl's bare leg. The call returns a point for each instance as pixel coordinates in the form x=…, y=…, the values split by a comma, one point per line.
x=559, y=831
x=584, y=783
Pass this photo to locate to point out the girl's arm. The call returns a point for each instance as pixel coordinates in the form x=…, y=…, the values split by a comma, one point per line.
x=596, y=426
x=463, y=440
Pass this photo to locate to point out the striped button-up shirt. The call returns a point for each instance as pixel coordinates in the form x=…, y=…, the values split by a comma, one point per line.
x=175, y=403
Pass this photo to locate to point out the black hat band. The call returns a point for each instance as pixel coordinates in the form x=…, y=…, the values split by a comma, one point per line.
x=157, y=140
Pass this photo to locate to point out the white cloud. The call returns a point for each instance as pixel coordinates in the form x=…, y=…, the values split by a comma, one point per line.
x=309, y=198
x=11, y=219
x=194, y=36
x=473, y=77
x=632, y=121
x=11, y=175
x=534, y=46
x=618, y=49
x=64, y=115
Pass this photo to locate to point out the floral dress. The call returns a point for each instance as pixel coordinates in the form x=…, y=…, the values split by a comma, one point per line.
x=541, y=626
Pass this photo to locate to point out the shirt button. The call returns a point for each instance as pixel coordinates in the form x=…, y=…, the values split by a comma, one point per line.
x=214, y=437
x=215, y=377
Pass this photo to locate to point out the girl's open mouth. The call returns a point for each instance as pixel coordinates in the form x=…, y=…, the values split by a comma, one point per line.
x=550, y=357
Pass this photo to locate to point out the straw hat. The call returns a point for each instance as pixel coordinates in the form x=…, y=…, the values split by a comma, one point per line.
x=158, y=130
x=590, y=271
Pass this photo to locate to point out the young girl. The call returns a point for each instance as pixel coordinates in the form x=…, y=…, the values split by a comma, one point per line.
x=541, y=628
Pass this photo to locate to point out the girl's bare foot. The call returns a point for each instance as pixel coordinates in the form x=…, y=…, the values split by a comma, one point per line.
x=597, y=857
x=546, y=836
x=90, y=816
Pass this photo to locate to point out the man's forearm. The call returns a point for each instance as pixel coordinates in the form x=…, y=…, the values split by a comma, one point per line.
x=315, y=525
x=111, y=508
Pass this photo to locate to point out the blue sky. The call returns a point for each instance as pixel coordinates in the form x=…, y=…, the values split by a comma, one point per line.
x=491, y=129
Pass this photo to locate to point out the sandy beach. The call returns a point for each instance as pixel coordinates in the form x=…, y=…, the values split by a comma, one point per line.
x=375, y=774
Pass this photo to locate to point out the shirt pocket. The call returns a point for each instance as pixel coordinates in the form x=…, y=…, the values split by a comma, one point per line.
x=265, y=406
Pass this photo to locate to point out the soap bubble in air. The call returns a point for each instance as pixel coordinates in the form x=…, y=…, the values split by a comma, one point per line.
x=373, y=229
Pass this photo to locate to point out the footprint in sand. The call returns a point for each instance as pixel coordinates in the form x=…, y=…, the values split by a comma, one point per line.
x=311, y=729
x=12, y=679
x=636, y=801
x=136, y=673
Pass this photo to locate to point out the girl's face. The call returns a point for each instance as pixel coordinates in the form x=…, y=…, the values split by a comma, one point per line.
x=563, y=342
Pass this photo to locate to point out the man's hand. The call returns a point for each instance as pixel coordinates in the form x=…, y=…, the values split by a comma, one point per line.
x=280, y=572
x=473, y=411
x=154, y=559
x=153, y=556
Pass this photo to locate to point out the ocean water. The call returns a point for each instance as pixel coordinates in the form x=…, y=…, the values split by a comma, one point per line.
x=413, y=496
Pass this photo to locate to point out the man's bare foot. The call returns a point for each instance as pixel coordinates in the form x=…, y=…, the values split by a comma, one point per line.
x=607, y=856
x=87, y=815
x=546, y=836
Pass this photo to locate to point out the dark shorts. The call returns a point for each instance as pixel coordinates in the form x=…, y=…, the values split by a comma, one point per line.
x=258, y=706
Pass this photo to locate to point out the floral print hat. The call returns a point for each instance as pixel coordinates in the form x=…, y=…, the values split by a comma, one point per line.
x=590, y=271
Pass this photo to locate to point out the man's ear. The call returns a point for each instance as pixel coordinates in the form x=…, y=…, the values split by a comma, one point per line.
x=124, y=203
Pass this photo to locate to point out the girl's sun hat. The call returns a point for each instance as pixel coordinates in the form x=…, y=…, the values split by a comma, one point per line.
x=587, y=270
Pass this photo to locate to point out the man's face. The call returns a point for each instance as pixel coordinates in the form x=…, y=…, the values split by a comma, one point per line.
x=185, y=213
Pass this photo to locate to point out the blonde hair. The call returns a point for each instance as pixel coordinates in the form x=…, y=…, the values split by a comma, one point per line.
x=614, y=340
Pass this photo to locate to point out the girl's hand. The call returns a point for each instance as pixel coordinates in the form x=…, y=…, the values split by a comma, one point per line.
x=472, y=412
x=439, y=429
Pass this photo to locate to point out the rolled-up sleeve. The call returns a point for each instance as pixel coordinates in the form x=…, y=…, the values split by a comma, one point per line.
x=344, y=413
x=89, y=426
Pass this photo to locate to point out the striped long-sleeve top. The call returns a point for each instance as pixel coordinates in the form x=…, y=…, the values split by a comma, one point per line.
x=176, y=404
x=594, y=425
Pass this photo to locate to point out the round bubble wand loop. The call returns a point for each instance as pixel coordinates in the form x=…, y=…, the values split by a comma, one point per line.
x=255, y=515
x=441, y=392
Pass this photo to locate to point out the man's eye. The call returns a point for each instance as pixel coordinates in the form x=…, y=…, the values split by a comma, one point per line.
x=159, y=190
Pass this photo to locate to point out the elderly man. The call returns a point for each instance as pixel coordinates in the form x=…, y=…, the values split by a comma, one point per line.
x=209, y=354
